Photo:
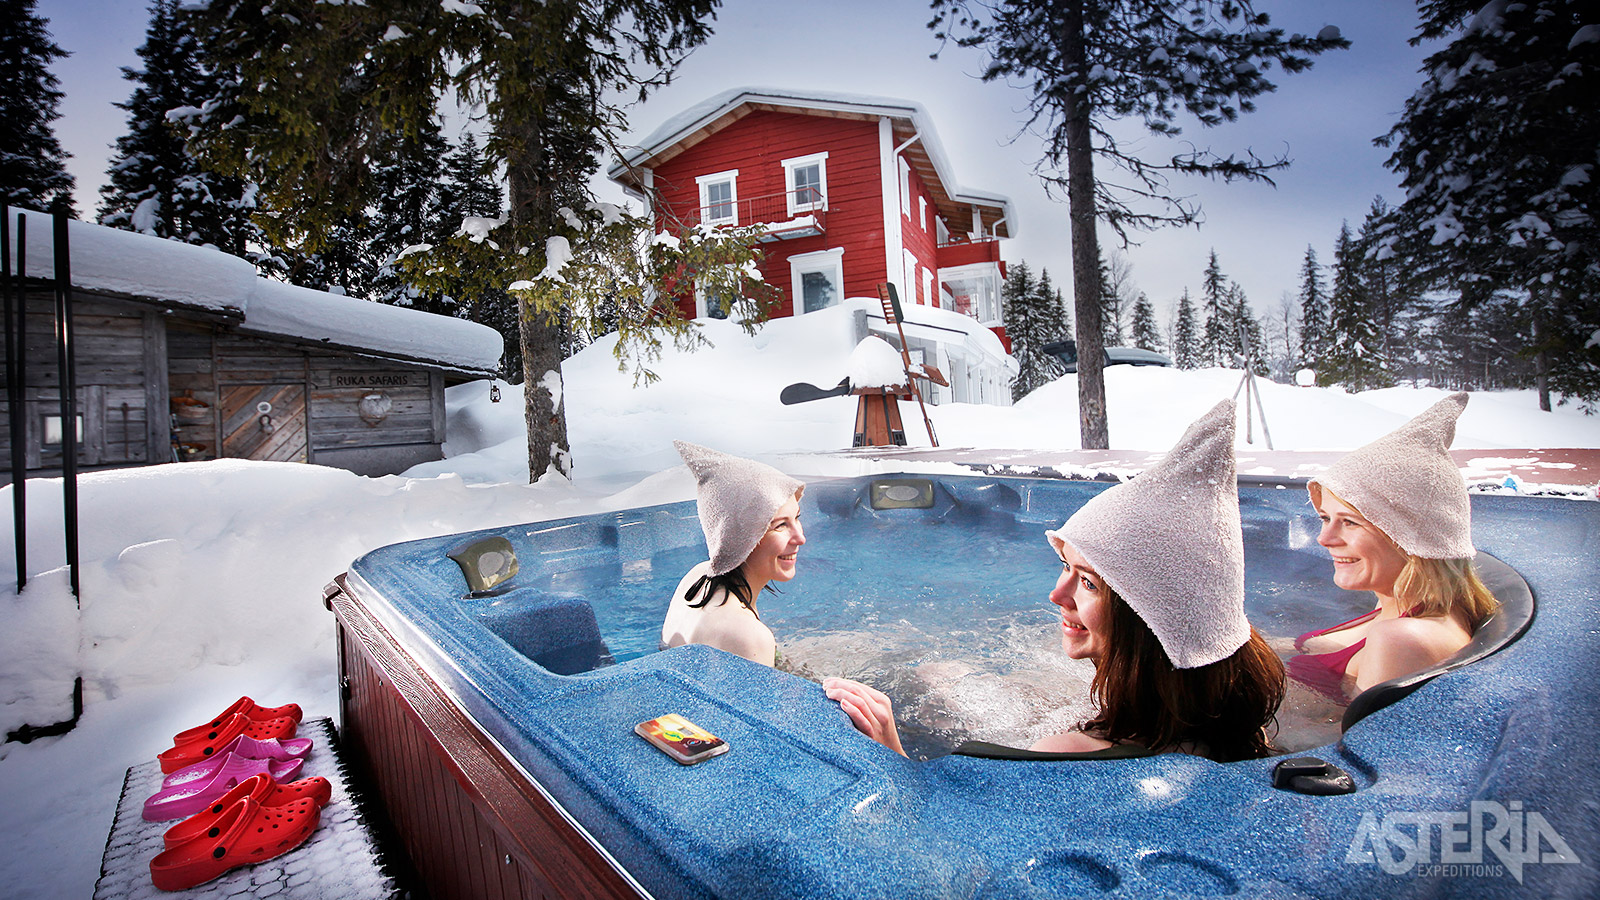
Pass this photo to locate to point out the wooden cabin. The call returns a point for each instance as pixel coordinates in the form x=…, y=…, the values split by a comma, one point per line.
x=852, y=191
x=182, y=353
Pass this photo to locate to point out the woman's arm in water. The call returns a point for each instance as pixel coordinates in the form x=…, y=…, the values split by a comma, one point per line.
x=869, y=710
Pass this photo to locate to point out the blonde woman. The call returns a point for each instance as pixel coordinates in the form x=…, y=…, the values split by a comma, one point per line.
x=1397, y=522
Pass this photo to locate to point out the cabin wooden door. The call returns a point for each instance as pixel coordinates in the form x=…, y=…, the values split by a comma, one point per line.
x=264, y=421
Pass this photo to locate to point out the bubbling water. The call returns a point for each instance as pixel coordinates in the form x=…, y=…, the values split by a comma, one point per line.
x=952, y=620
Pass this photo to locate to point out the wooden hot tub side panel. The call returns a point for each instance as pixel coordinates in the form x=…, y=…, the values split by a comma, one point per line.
x=473, y=825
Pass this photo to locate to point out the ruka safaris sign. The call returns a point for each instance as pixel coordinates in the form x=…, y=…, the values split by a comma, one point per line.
x=378, y=379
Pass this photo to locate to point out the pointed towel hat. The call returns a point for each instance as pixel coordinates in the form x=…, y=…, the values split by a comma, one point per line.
x=1406, y=484
x=736, y=499
x=1170, y=544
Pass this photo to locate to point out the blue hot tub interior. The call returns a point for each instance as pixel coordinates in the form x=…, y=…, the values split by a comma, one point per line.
x=559, y=665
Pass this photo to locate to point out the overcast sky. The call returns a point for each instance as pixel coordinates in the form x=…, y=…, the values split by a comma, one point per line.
x=1323, y=119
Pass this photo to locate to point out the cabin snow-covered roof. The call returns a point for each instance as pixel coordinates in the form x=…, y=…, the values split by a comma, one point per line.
x=183, y=276
x=910, y=121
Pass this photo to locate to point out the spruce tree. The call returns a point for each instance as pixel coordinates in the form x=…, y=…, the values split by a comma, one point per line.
x=1185, y=335
x=1215, y=340
x=469, y=187
x=1313, y=312
x=1057, y=316
x=33, y=167
x=1247, y=339
x=469, y=190
x=1392, y=287
x=1496, y=153
x=155, y=187
x=1145, y=334
x=1016, y=312
x=408, y=213
x=1034, y=305
x=1354, y=356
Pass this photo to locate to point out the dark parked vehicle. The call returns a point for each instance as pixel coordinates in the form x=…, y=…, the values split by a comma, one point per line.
x=1067, y=352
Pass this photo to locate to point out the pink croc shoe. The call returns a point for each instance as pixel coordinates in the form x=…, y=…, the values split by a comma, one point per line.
x=260, y=788
x=209, y=743
x=242, y=746
x=243, y=834
x=187, y=799
x=243, y=706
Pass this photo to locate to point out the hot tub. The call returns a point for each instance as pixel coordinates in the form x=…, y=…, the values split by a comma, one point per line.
x=498, y=729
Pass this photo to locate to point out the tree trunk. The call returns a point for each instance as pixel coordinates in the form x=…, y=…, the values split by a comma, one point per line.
x=1541, y=354
x=1092, y=428
x=532, y=204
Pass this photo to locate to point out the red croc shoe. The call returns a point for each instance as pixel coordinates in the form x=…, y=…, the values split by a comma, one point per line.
x=243, y=706
x=260, y=788
x=208, y=743
x=243, y=834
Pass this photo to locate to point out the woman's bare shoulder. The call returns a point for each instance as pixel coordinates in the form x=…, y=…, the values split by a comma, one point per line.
x=1070, y=742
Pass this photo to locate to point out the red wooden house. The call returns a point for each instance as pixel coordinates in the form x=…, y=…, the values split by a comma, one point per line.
x=853, y=191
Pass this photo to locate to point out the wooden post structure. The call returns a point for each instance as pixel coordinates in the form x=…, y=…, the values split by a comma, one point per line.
x=878, y=417
x=891, y=311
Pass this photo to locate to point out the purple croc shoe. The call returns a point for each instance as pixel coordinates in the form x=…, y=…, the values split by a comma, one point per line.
x=187, y=799
x=243, y=746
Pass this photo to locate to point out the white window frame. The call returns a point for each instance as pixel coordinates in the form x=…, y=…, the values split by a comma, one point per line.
x=905, y=187
x=908, y=274
x=928, y=295
x=976, y=270
x=704, y=182
x=816, y=261
x=922, y=214
x=799, y=162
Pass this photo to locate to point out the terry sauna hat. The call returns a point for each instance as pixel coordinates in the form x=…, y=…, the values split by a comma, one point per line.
x=1406, y=484
x=736, y=499
x=1170, y=544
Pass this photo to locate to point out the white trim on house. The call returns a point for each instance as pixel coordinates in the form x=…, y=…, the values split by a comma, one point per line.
x=795, y=204
x=830, y=261
x=892, y=237
x=705, y=183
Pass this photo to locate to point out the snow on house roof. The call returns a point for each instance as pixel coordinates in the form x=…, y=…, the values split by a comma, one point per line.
x=684, y=126
x=113, y=261
x=170, y=273
x=285, y=310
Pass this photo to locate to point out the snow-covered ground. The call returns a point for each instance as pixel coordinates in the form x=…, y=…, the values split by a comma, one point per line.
x=202, y=581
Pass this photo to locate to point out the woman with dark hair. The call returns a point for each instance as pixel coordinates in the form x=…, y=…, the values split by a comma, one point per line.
x=750, y=514
x=1152, y=592
x=1397, y=521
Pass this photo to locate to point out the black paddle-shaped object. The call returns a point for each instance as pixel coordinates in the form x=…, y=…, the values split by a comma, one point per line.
x=800, y=392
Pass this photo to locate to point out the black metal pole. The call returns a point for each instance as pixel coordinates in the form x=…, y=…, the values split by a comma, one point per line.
x=69, y=398
x=16, y=375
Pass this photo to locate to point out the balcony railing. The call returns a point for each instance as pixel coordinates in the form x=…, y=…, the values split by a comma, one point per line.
x=772, y=210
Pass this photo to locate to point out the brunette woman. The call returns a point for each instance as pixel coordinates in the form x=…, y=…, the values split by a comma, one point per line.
x=1152, y=592
x=750, y=514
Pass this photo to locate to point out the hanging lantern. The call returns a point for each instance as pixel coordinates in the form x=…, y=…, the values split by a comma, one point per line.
x=494, y=392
